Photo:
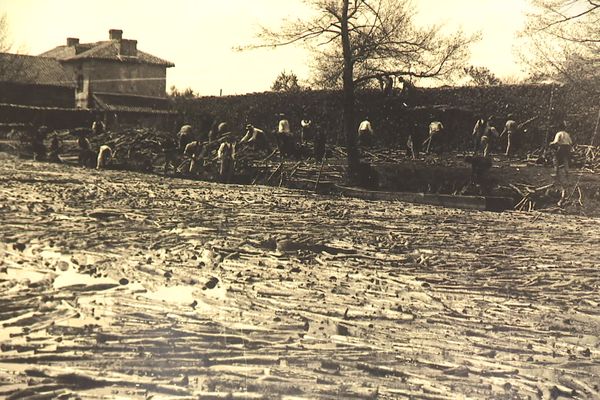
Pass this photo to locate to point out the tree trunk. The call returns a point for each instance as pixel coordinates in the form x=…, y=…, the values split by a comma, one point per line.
x=348, y=98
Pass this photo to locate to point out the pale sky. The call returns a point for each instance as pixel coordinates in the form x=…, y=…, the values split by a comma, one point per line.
x=199, y=36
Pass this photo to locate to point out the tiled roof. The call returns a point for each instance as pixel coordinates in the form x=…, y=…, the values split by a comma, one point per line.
x=33, y=70
x=28, y=107
x=107, y=50
x=132, y=103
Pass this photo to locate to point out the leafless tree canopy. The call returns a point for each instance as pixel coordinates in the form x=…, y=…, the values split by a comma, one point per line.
x=384, y=40
x=9, y=66
x=4, y=40
x=564, y=39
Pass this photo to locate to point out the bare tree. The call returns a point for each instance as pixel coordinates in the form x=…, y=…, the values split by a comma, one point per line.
x=564, y=39
x=10, y=64
x=5, y=45
x=361, y=40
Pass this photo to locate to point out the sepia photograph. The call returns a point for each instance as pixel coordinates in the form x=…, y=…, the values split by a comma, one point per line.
x=299, y=199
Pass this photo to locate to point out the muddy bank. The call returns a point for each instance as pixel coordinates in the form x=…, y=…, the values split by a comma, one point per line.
x=128, y=285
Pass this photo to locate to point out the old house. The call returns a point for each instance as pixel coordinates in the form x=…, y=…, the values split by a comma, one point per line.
x=113, y=75
x=111, y=78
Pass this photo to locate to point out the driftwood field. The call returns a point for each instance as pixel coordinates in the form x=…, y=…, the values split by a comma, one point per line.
x=122, y=285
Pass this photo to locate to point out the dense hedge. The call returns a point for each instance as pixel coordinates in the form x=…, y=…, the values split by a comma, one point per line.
x=392, y=118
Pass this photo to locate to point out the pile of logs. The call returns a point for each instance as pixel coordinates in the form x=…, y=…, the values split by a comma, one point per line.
x=532, y=197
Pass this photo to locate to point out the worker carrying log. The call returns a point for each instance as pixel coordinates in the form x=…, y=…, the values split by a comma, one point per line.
x=226, y=157
x=104, y=157
x=365, y=133
x=562, y=143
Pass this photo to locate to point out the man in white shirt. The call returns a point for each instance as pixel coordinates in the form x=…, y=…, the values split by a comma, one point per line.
x=365, y=133
x=563, y=143
x=284, y=125
x=104, y=157
x=185, y=136
x=284, y=137
x=226, y=156
x=307, y=131
x=478, y=131
x=435, y=131
x=256, y=138
x=510, y=129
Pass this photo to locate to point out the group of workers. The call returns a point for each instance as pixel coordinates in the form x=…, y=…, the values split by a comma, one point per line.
x=87, y=157
x=197, y=149
x=483, y=136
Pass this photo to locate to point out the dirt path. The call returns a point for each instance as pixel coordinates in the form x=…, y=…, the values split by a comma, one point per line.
x=119, y=284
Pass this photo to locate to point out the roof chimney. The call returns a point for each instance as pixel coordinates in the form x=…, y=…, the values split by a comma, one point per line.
x=128, y=48
x=115, y=34
x=71, y=41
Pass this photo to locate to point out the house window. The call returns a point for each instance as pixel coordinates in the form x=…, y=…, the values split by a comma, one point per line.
x=80, y=83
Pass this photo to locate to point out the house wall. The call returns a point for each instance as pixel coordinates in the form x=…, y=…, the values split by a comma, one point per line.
x=36, y=95
x=117, y=77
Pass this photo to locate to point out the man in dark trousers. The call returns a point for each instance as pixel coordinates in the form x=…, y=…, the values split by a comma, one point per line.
x=55, y=150
x=478, y=132
x=169, y=148
x=37, y=143
x=562, y=143
x=226, y=156
x=86, y=155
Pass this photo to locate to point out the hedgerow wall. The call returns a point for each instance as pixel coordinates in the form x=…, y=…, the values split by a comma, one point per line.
x=395, y=116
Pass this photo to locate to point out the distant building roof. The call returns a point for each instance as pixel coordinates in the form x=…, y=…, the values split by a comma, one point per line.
x=105, y=50
x=33, y=70
x=132, y=103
